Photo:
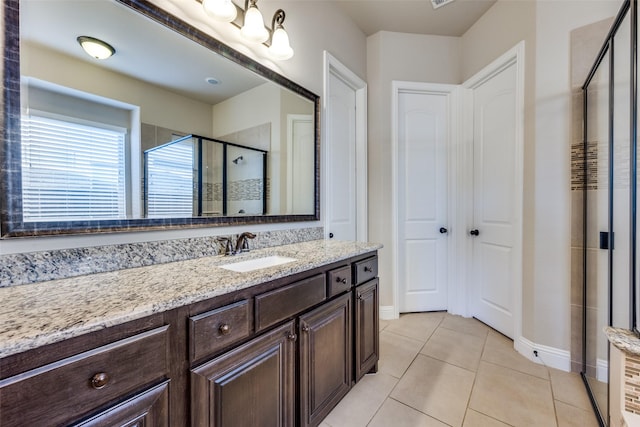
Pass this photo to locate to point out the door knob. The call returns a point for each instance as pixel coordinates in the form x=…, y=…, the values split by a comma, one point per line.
x=443, y=230
x=474, y=232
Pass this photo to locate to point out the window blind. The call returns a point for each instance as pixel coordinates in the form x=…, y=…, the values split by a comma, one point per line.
x=169, y=175
x=71, y=171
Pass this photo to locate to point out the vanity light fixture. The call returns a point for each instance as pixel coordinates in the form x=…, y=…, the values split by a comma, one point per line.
x=251, y=24
x=253, y=28
x=95, y=47
x=280, y=47
x=222, y=10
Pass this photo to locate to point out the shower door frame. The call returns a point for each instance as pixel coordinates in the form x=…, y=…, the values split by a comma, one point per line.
x=629, y=6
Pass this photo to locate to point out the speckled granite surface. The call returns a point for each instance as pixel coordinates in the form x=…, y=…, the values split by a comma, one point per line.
x=19, y=269
x=624, y=339
x=42, y=313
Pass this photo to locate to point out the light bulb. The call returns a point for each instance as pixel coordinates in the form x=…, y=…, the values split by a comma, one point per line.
x=280, y=48
x=253, y=28
x=221, y=10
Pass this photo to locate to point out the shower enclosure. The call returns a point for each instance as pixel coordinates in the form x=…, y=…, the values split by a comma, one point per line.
x=609, y=253
x=198, y=176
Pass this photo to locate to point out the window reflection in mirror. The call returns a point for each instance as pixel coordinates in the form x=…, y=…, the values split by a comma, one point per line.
x=151, y=92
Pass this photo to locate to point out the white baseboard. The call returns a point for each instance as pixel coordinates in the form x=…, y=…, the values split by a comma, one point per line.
x=387, y=312
x=548, y=356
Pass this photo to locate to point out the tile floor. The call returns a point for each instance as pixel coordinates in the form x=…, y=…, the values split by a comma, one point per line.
x=439, y=370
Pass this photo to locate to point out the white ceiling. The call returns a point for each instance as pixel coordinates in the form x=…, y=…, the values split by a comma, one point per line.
x=414, y=16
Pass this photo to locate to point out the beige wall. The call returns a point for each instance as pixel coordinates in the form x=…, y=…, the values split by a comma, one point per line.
x=313, y=26
x=396, y=56
x=545, y=26
x=157, y=106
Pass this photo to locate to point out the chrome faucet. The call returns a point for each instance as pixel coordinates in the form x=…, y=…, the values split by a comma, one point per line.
x=242, y=244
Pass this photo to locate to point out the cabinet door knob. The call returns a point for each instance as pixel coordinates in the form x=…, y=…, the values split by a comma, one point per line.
x=99, y=380
x=474, y=232
x=443, y=230
x=305, y=328
x=343, y=280
x=224, y=329
x=291, y=336
x=368, y=269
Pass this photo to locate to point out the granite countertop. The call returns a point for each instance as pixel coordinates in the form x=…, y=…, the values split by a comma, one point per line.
x=43, y=313
x=624, y=340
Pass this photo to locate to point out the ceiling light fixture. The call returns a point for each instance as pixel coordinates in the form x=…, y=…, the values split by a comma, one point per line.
x=96, y=48
x=251, y=24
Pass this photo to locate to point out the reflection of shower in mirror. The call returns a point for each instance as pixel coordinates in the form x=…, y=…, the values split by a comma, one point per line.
x=237, y=160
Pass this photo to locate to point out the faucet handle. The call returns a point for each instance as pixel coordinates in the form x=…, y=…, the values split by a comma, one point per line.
x=227, y=244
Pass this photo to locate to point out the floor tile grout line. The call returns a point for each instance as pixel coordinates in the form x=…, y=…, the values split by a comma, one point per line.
x=475, y=378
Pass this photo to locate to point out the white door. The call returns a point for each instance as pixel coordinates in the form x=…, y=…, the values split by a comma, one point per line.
x=300, y=160
x=422, y=146
x=495, y=214
x=341, y=159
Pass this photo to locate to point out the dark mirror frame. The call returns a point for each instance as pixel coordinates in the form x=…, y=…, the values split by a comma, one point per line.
x=12, y=224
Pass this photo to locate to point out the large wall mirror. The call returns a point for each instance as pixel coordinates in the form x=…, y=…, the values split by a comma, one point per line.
x=174, y=130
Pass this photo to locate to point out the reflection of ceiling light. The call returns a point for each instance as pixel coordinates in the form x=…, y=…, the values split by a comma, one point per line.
x=222, y=10
x=212, y=81
x=96, y=48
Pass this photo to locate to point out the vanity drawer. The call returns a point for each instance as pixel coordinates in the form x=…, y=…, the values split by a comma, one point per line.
x=62, y=391
x=279, y=304
x=338, y=280
x=365, y=270
x=216, y=329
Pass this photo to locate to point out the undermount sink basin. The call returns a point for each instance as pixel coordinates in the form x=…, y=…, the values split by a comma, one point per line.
x=257, y=263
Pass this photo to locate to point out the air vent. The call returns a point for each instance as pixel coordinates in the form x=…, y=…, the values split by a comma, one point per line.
x=439, y=3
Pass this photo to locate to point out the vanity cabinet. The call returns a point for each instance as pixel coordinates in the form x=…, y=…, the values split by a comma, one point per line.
x=64, y=390
x=279, y=353
x=325, y=358
x=367, y=342
x=149, y=408
x=251, y=385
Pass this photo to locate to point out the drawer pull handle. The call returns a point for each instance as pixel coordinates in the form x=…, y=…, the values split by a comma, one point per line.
x=291, y=336
x=224, y=329
x=368, y=269
x=343, y=280
x=99, y=380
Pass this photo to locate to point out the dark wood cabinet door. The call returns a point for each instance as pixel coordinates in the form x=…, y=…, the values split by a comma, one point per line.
x=150, y=408
x=252, y=385
x=367, y=342
x=325, y=359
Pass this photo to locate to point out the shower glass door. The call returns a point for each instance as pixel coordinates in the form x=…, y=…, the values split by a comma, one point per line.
x=596, y=294
x=608, y=244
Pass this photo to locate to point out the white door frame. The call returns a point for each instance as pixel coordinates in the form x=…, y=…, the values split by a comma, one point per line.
x=513, y=56
x=333, y=67
x=451, y=92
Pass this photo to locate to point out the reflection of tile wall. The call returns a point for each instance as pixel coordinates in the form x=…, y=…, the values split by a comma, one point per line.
x=632, y=384
x=577, y=166
x=246, y=189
